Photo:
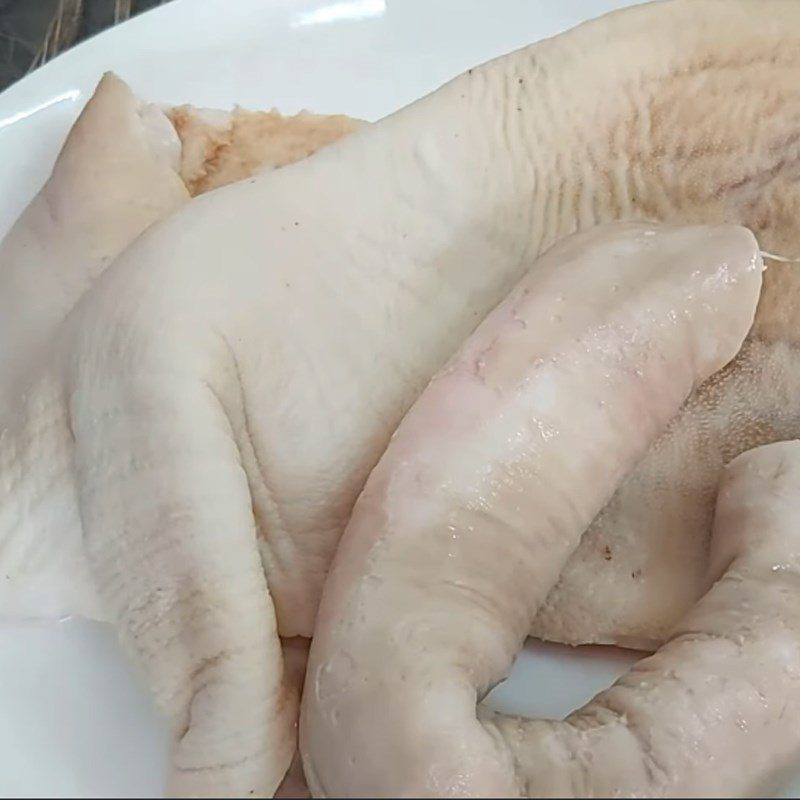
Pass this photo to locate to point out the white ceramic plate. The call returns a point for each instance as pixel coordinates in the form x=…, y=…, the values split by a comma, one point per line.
x=73, y=721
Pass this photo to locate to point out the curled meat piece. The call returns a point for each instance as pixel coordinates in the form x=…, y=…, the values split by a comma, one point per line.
x=714, y=711
x=481, y=497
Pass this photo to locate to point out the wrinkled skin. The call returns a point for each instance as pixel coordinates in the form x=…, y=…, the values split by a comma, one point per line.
x=124, y=166
x=483, y=494
x=197, y=439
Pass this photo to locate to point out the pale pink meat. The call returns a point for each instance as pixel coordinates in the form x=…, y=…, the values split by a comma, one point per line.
x=484, y=492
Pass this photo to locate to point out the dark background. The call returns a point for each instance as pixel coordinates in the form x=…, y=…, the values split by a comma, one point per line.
x=35, y=31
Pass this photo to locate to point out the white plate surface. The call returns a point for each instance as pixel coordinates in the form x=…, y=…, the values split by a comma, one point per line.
x=73, y=721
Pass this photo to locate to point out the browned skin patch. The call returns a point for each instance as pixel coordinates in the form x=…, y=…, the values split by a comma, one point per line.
x=238, y=145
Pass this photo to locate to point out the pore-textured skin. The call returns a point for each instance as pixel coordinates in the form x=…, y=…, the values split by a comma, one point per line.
x=215, y=404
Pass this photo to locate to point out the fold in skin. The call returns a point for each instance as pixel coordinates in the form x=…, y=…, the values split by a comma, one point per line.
x=212, y=408
x=480, y=498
